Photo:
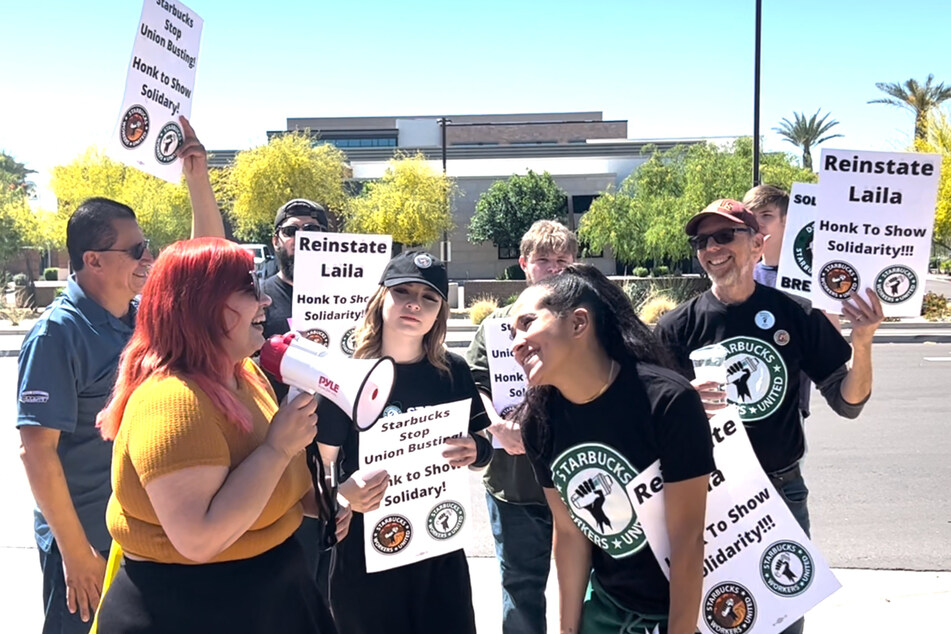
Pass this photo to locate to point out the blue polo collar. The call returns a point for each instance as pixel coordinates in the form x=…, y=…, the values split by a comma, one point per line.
x=93, y=311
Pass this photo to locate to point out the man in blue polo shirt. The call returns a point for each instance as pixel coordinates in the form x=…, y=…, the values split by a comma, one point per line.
x=67, y=368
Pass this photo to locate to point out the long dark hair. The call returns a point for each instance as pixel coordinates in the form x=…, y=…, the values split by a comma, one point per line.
x=622, y=335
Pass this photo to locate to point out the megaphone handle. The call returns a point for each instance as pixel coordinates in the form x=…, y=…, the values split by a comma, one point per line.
x=330, y=481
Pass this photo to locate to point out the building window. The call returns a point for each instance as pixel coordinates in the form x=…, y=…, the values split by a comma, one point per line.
x=508, y=253
x=368, y=142
x=582, y=203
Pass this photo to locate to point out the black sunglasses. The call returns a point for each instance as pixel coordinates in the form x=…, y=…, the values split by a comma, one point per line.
x=256, y=288
x=289, y=231
x=136, y=251
x=723, y=236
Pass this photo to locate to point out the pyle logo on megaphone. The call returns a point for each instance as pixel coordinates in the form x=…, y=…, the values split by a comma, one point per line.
x=324, y=382
x=360, y=387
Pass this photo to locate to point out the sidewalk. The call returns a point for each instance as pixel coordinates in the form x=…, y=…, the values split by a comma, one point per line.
x=869, y=601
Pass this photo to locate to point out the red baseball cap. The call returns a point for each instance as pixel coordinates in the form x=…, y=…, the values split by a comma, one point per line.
x=727, y=208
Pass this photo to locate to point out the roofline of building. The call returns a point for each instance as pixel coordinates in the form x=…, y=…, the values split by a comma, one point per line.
x=573, y=117
x=615, y=148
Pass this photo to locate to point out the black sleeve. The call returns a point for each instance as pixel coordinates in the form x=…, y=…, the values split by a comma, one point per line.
x=539, y=459
x=825, y=349
x=333, y=425
x=464, y=386
x=669, y=333
x=686, y=449
x=831, y=390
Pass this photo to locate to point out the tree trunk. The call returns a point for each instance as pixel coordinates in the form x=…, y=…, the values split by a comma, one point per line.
x=921, y=125
x=806, y=157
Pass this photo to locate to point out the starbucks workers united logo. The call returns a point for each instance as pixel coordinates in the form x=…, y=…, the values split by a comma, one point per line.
x=802, y=249
x=592, y=480
x=757, y=377
x=787, y=568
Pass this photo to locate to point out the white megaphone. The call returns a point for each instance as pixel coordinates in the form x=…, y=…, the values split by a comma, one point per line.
x=360, y=387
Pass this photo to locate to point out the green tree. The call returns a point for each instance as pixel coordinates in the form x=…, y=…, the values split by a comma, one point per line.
x=13, y=206
x=644, y=219
x=807, y=133
x=13, y=174
x=921, y=99
x=263, y=178
x=508, y=208
x=623, y=220
x=20, y=225
x=163, y=209
x=938, y=141
x=411, y=202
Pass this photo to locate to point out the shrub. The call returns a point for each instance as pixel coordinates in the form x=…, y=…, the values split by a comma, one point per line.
x=640, y=271
x=510, y=299
x=660, y=271
x=21, y=279
x=481, y=309
x=678, y=289
x=655, y=307
x=512, y=272
x=946, y=266
x=15, y=314
x=935, y=307
x=51, y=274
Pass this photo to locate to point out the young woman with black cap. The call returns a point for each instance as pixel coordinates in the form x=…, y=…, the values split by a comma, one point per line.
x=405, y=320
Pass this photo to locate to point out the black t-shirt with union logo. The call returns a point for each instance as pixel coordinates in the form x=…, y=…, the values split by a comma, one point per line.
x=590, y=452
x=770, y=340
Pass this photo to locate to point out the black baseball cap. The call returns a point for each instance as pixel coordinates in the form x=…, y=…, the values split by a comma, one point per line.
x=301, y=207
x=420, y=267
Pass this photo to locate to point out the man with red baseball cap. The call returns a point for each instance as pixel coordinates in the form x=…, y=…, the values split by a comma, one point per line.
x=770, y=340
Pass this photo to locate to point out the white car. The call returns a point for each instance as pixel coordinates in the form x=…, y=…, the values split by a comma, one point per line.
x=262, y=254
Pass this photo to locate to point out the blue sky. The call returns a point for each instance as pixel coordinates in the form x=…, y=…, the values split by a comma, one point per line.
x=671, y=68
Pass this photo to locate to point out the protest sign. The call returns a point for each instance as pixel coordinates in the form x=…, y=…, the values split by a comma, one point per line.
x=425, y=511
x=335, y=274
x=158, y=89
x=505, y=374
x=760, y=571
x=794, y=275
x=873, y=228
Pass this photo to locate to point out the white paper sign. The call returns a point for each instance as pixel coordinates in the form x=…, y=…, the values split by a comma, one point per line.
x=335, y=274
x=873, y=228
x=425, y=511
x=506, y=376
x=158, y=89
x=760, y=571
x=794, y=275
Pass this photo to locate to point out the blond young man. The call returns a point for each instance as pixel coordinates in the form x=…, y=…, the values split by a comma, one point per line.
x=518, y=512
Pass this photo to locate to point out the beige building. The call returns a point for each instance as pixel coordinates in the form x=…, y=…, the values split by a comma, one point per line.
x=585, y=154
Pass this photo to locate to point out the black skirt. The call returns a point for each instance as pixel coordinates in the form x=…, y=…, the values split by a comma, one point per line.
x=273, y=592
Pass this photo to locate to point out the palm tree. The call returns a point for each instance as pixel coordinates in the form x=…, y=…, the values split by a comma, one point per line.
x=920, y=99
x=806, y=133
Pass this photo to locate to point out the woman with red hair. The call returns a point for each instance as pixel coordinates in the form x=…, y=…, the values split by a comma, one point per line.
x=209, y=474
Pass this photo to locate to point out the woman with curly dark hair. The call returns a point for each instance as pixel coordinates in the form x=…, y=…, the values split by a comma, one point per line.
x=603, y=406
